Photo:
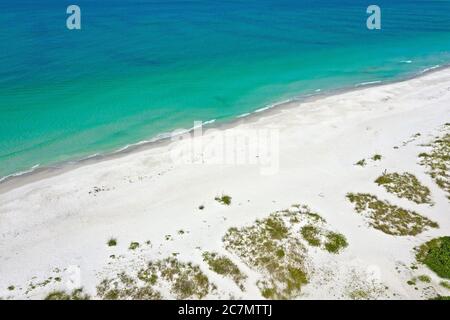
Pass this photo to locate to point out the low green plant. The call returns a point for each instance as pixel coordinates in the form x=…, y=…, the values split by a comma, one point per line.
x=76, y=294
x=335, y=242
x=435, y=254
x=441, y=298
x=445, y=284
x=133, y=245
x=405, y=185
x=376, y=157
x=361, y=163
x=223, y=199
x=224, y=266
x=311, y=234
x=389, y=218
x=437, y=161
x=424, y=278
x=112, y=242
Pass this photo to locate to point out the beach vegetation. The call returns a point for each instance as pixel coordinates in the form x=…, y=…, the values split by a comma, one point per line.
x=186, y=280
x=437, y=161
x=424, y=278
x=124, y=287
x=223, y=199
x=412, y=282
x=376, y=157
x=389, y=218
x=361, y=163
x=11, y=288
x=435, y=254
x=201, y=207
x=445, y=284
x=133, y=245
x=311, y=234
x=276, y=247
x=335, y=242
x=76, y=294
x=441, y=298
x=405, y=185
x=224, y=266
x=260, y=245
x=112, y=242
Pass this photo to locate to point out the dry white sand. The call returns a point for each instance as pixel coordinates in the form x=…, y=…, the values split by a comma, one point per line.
x=59, y=226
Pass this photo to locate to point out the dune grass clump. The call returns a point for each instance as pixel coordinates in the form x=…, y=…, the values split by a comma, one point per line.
x=112, y=242
x=276, y=247
x=317, y=236
x=361, y=163
x=445, y=284
x=223, y=199
x=437, y=161
x=405, y=185
x=133, y=245
x=376, y=157
x=224, y=266
x=335, y=242
x=389, y=218
x=435, y=254
x=441, y=298
x=269, y=247
x=124, y=287
x=76, y=294
x=186, y=280
x=424, y=278
x=312, y=235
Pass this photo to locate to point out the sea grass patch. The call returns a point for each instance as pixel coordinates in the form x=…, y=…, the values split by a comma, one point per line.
x=437, y=161
x=223, y=265
x=435, y=254
x=274, y=247
x=405, y=185
x=389, y=218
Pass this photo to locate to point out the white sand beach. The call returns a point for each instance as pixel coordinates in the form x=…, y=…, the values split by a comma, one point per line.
x=54, y=230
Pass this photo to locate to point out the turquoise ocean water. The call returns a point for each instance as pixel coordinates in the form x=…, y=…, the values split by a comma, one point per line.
x=140, y=68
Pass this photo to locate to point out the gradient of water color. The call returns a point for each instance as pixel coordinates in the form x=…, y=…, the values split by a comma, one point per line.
x=140, y=68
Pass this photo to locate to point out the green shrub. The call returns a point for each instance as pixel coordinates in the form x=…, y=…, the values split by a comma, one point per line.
x=335, y=242
x=436, y=255
x=224, y=199
x=133, y=245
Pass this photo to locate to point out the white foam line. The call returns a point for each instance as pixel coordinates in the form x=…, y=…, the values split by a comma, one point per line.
x=367, y=83
x=430, y=68
x=17, y=174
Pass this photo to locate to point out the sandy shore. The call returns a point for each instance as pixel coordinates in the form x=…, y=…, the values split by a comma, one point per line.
x=54, y=230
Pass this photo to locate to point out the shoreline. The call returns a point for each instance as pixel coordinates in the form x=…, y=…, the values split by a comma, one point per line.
x=156, y=208
x=37, y=172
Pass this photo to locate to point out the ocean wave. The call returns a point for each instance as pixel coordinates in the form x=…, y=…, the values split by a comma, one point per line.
x=430, y=68
x=406, y=61
x=362, y=84
x=243, y=115
x=20, y=173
